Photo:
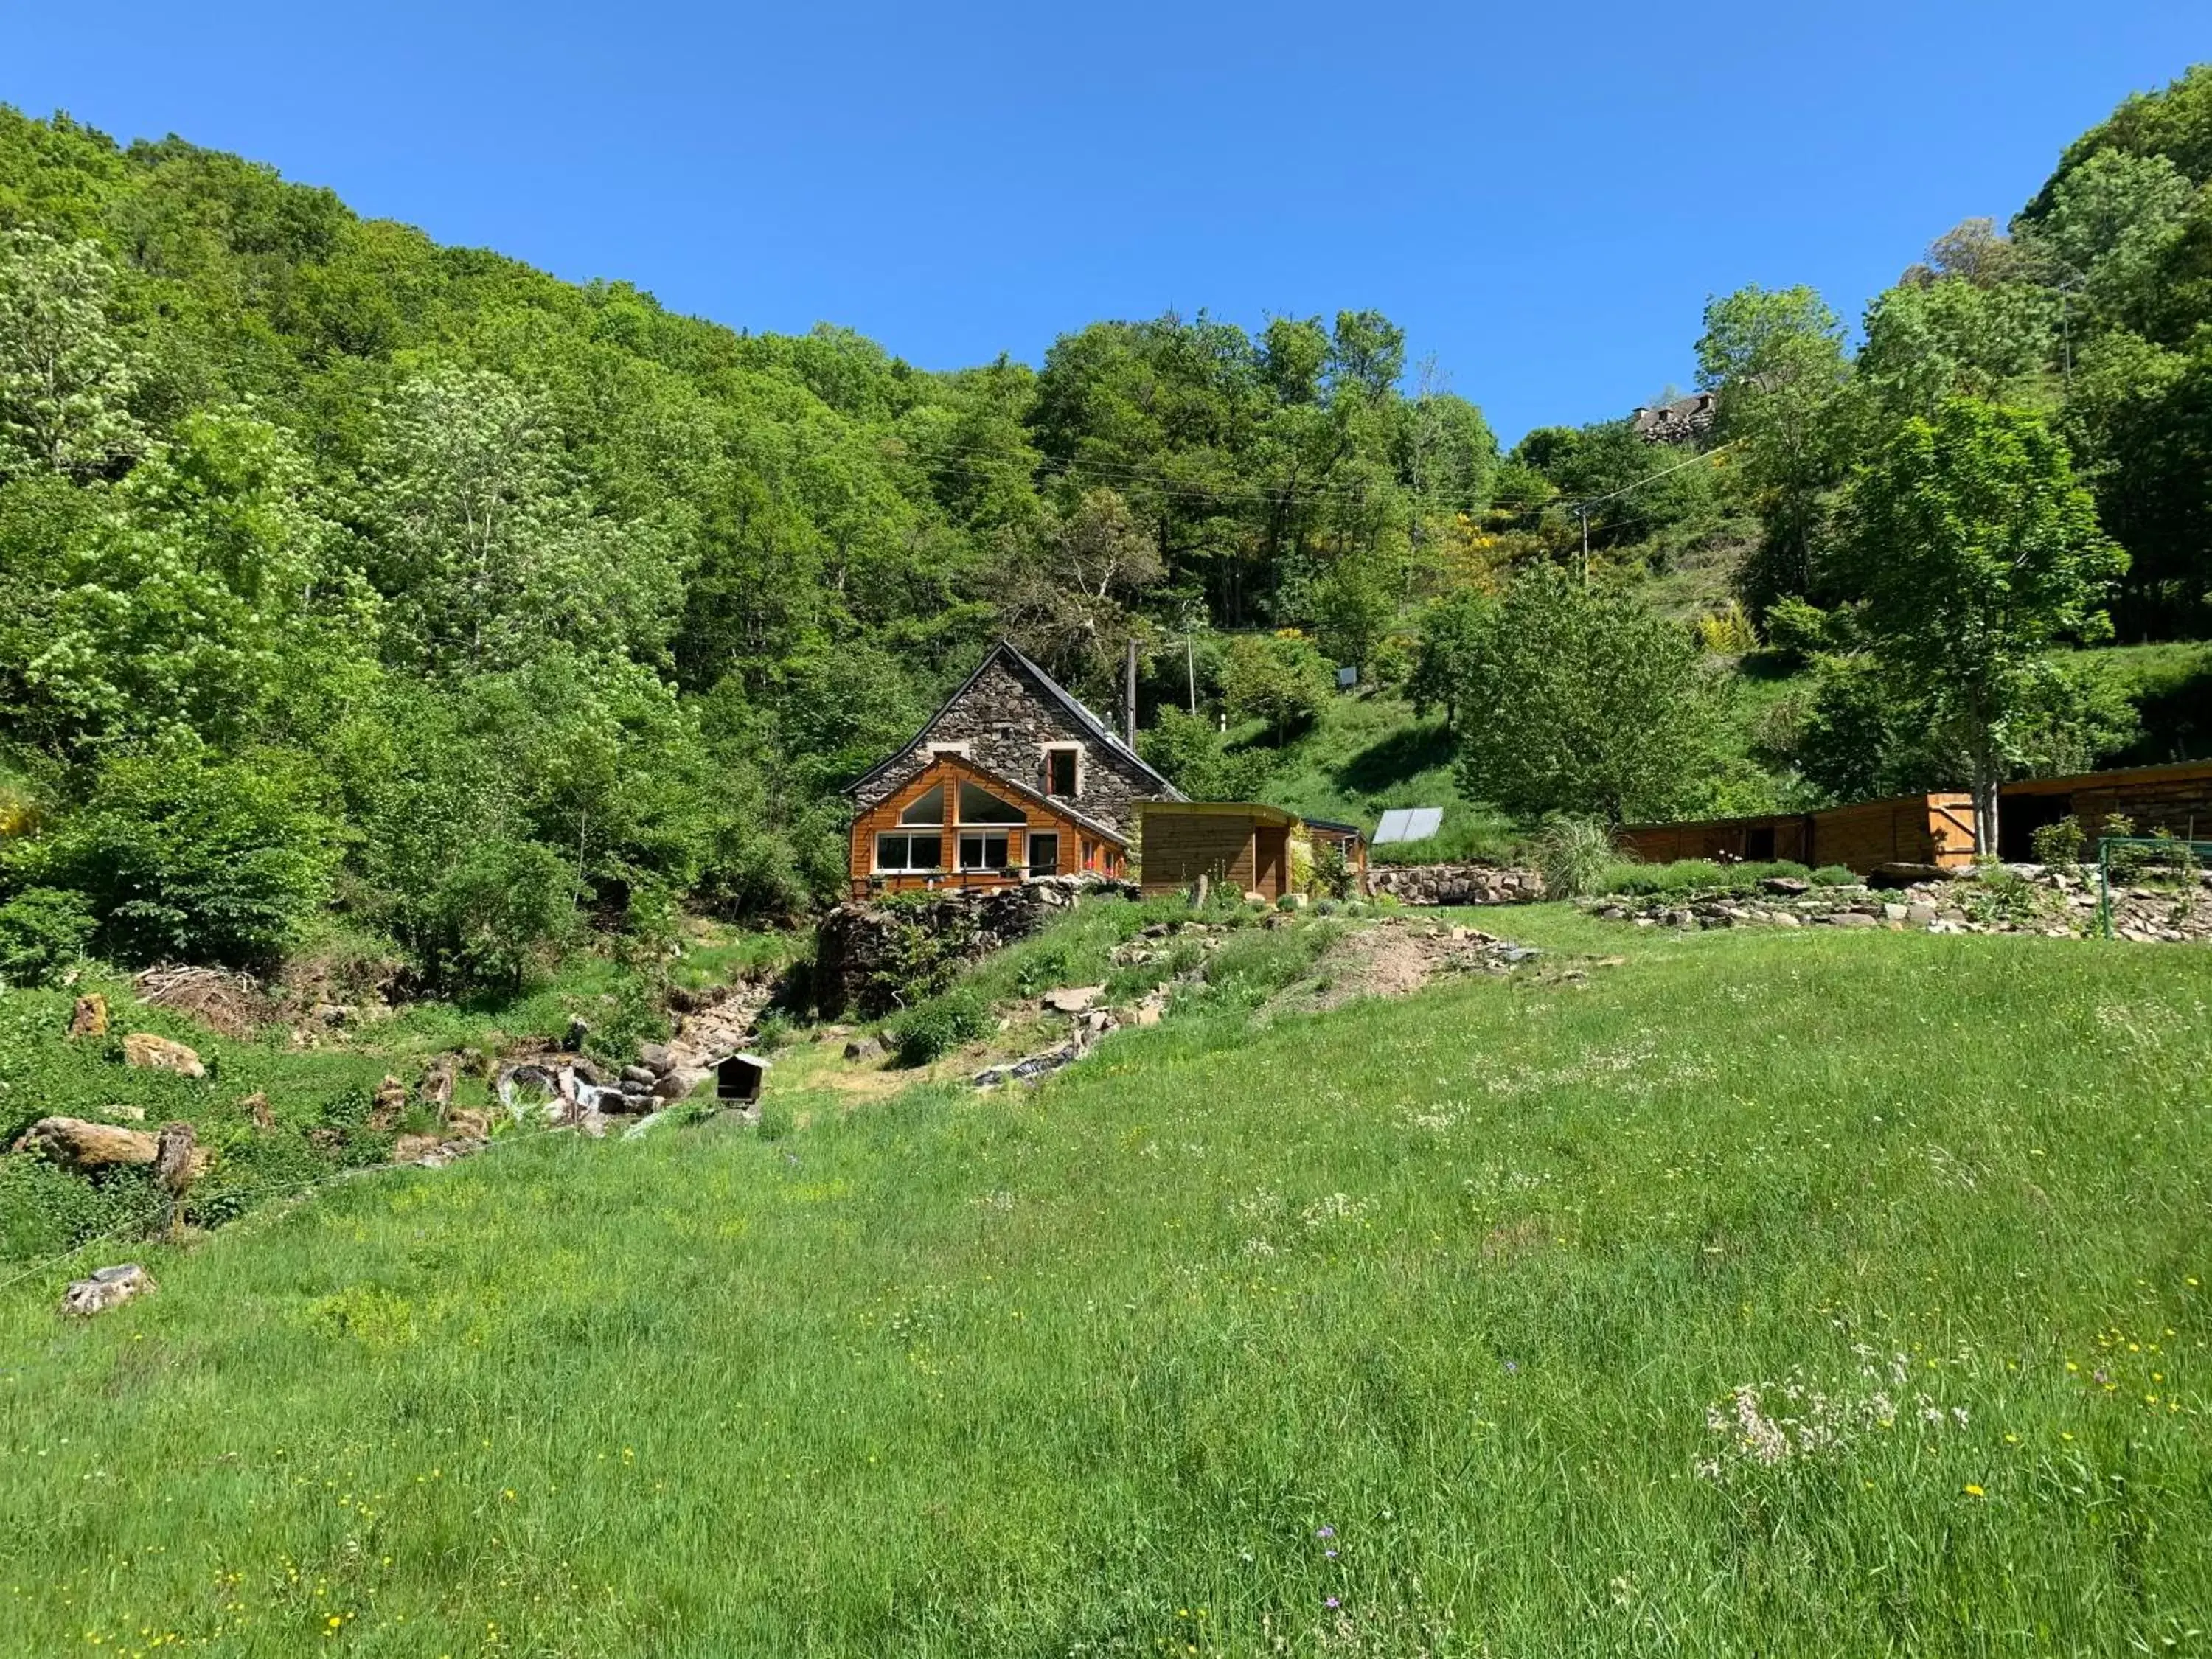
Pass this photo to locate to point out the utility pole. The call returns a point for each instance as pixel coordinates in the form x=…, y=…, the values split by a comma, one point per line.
x=1129, y=695
x=1189, y=665
x=1581, y=509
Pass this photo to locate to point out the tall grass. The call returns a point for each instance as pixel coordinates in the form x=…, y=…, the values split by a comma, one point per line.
x=1394, y=1332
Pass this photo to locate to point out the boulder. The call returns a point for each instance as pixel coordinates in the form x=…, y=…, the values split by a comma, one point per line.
x=1900, y=874
x=656, y=1057
x=467, y=1123
x=388, y=1105
x=642, y=1076
x=863, y=1049
x=84, y=1148
x=1919, y=914
x=1850, y=919
x=256, y=1106
x=674, y=1085
x=412, y=1149
x=1787, y=886
x=159, y=1053
x=89, y=1017
x=108, y=1287
x=1072, y=999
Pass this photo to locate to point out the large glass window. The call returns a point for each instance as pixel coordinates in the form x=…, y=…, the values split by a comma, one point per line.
x=898, y=855
x=982, y=849
x=981, y=806
x=928, y=808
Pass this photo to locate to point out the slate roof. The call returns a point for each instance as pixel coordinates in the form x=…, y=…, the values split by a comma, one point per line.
x=1083, y=717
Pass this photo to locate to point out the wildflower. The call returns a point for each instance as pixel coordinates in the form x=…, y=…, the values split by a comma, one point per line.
x=1332, y=1602
x=1325, y=1532
x=1973, y=1491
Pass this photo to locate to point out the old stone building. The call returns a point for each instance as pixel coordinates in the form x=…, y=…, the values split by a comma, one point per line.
x=1011, y=780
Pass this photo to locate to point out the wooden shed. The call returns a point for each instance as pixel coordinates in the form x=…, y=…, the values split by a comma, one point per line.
x=2176, y=798
x=1935, y=828
x=1241, y=845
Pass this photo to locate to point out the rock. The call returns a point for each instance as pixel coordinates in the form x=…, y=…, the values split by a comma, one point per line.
x=159, y=1053
x=123, y=1113
x=1850, y=919
x=256, y=1107
x=412, y=1149
x=332, y=1015
x=469, y=1123
x=1920, y=914
x=84, y=1147
x=656, y=1057
x=89, y=1017
x=863, y=1049
x=643, y=1076
x=1613, y=912
x=438, y=1085
x=1072, y=999
x=673, y=1086
x=108, y=1287
x=388, y=1105
x=1786, y=886
x=1786, y=919
x=1895, y=912
x=1150, y=1011
x=1900, y=874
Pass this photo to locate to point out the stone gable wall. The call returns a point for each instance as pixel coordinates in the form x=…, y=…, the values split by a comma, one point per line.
x=1003, y=697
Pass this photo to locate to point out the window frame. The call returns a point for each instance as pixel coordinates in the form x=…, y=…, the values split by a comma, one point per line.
x=1075, y=771
x=1030, y=851
x=906, y=866
x=984, y=835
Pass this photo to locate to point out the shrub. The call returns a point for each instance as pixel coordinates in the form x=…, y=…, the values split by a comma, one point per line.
x=1835, y=875
x=185, y=856
x=43, y=932
x=940, y=1025
x=2058, y=843
x=503, y=907
x=1572, y=854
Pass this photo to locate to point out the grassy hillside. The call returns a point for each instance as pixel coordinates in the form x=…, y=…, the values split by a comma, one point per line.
x=1774, y=1293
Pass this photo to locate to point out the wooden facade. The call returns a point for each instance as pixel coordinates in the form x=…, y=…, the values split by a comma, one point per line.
x=1935, y=829
x=1240, y=845
x=2176, y=798
x=956, y=824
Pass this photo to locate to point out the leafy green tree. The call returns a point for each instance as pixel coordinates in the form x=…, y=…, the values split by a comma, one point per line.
x=1977, y=552
x=1197, y=759
x=1456, y=632
x=1276, y=678
x=65, y=380
x=210, y=598
x=186, y=856
x=1585, y=702
x=484, y=547
x=1774, y=360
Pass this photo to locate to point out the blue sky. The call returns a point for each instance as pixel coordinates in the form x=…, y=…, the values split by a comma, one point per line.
x=1543, y=196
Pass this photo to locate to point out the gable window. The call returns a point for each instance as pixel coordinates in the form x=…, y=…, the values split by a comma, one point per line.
x=983, y=849
x=1061, y=776
x=897, y=853
x=927, y=807
x=979, y=805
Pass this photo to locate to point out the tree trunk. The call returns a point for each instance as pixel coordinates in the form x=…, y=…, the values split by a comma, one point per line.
x=1985, y=787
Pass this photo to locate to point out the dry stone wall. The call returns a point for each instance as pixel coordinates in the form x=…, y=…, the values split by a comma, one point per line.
x=1455, y=883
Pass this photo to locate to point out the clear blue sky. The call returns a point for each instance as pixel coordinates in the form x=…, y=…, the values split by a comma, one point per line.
x=1542, y=195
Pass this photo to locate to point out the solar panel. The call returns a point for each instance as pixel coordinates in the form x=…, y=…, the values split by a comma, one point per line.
x=1408, y=823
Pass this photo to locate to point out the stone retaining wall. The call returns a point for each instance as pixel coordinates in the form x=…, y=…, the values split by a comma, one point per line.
x=1455, y=883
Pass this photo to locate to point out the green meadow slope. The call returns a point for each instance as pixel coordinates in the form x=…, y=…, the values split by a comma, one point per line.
x=1769, y=1293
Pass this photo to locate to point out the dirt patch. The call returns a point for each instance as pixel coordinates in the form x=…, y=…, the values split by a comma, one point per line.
x=1396, y=958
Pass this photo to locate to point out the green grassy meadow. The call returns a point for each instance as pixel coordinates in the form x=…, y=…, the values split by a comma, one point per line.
x=1766, y=1293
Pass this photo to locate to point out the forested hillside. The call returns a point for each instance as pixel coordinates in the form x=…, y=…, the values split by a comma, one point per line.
x=351, y=582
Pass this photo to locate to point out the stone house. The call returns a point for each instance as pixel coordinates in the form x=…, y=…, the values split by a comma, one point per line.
x=1011, y=780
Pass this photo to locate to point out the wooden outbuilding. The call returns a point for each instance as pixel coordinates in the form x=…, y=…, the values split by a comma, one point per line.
x=1935, y=829
x=1241, y=845
x=2176, y=798
x=738, y=1078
